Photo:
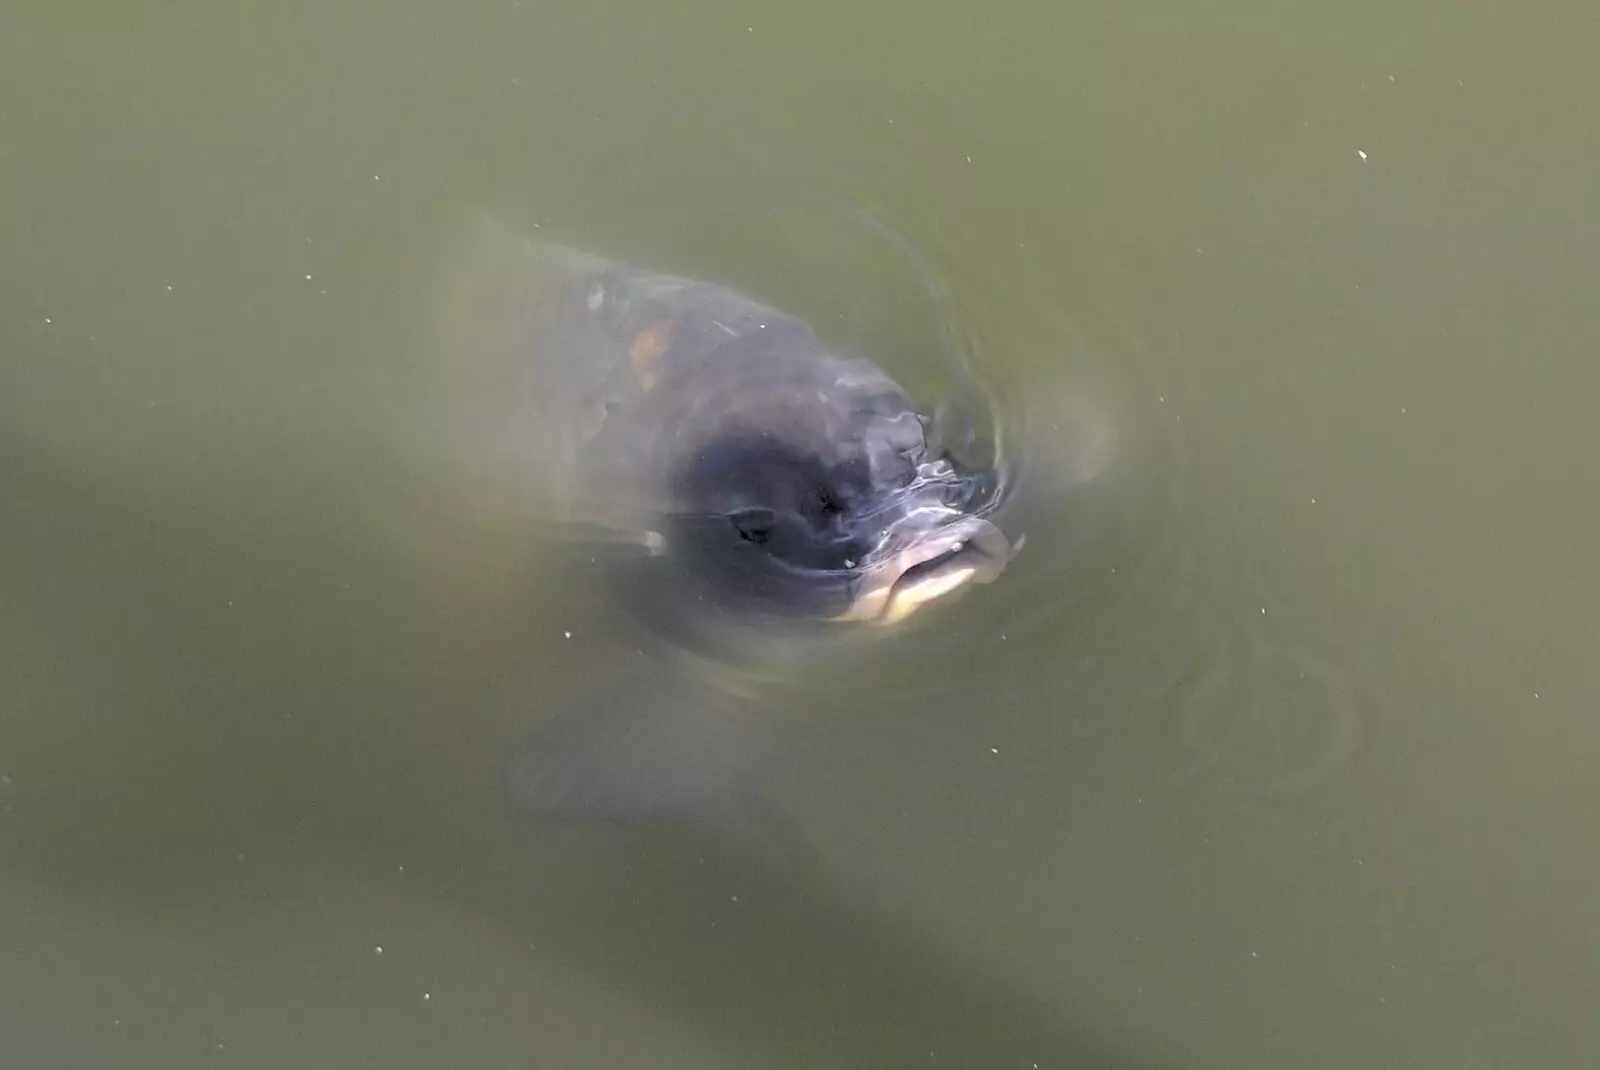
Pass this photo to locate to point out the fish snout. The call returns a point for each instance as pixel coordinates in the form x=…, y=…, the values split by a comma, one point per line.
x=925, y=558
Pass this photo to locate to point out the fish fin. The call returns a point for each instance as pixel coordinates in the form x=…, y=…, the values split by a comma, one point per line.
x=652, y=745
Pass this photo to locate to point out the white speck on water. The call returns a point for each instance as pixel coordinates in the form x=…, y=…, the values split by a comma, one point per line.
x=169, y=288
x=1402, y=410
x=47, y=319
x=3, y=780
x=1361, y=154
x=426, y=996
x=308, y=276
x=375, y=178
x=567, y=634
x=378, y=950
x=1263, y=611
x=994, y=750
x=1313, y=501
x=969, y=159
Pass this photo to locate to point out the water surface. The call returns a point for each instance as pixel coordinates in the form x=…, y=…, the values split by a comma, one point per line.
x=1274, y=749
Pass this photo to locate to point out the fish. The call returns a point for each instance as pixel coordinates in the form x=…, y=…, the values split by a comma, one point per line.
x=757, y=499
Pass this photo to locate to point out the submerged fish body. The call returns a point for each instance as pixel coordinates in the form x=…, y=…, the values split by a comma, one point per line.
x=751, y=484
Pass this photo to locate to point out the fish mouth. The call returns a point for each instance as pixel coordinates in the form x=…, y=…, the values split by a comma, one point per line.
x=936, y=563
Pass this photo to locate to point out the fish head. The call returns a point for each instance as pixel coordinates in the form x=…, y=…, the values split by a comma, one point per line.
x=825, y=500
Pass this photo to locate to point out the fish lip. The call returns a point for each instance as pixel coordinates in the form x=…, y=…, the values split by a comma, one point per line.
x=935, y=562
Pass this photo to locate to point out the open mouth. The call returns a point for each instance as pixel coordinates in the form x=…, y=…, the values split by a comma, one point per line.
x=939, y=563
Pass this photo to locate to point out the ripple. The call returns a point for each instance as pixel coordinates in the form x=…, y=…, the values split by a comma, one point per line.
x=1274, y=719
x=1112, y=630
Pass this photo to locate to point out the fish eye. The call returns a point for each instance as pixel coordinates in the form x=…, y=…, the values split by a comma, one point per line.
x=754, y=525
x=829, y=502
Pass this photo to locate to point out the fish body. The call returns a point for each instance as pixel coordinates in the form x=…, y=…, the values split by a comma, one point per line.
x=756, y=493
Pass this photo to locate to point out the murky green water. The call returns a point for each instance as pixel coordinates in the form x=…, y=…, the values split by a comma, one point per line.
x=1275, y=750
